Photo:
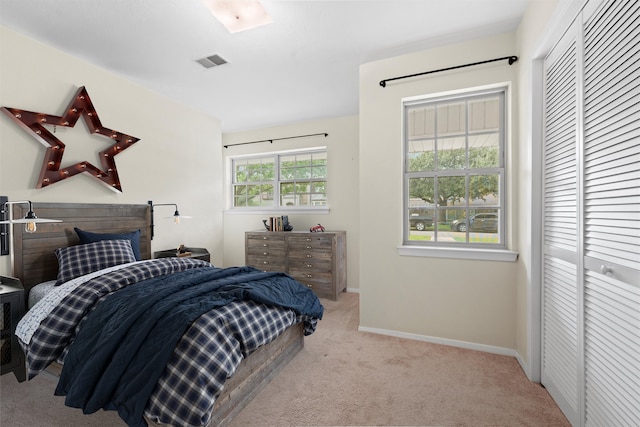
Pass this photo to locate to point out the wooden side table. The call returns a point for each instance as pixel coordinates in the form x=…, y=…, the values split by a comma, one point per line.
x=197, y=253
x=13, y=308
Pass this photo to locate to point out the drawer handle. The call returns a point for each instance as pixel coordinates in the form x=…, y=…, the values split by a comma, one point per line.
x=308, y=239
x=308, y=247
x=310, y=265
x=264, y=237
x=309, y=255
x=309, y=276
x=310, y=286
x=264, y=245
x=265, y=253
x=265, y=262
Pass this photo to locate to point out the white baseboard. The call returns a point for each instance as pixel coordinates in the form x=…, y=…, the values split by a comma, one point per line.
x=353, y=290
x=443, y=341
x=526, y=368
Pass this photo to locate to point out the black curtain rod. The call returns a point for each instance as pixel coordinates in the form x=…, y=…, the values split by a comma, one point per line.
x=511, y=59
x=275, y=139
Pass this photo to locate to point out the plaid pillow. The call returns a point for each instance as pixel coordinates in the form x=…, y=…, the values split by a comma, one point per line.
x=76, y=261
x=90, y=237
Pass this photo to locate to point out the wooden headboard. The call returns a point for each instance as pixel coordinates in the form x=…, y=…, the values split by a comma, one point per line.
x=34, y=258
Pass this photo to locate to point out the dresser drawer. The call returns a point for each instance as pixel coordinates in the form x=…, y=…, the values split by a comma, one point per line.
x=313, y=265
x=311, y=242
x=266, y=251
x=309, y=255
x=267, y=265
x=308, y=275
x=322, y=288
x=266, y=241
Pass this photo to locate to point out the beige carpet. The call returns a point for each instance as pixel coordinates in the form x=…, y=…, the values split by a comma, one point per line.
x=344, y=377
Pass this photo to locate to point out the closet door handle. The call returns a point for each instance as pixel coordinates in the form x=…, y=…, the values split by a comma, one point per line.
x=607, y=271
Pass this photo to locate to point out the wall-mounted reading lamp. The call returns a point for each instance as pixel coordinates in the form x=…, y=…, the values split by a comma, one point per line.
x=176, y=215
x=6, y=220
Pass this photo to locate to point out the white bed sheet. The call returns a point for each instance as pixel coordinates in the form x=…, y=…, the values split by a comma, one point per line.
x=39, y=291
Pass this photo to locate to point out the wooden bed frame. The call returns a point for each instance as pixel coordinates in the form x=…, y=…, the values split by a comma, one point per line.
x=35, y=262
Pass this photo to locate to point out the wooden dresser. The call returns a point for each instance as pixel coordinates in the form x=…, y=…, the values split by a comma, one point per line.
x=319, y=260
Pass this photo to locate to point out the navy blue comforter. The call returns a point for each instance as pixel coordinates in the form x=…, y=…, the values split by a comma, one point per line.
x=132, y=333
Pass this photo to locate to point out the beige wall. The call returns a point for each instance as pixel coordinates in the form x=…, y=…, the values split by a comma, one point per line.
x=177, y=159
x=429, y=298
x=342, y=185
x=488, y=305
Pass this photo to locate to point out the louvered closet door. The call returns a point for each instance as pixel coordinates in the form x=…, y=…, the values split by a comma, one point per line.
x=561, y=296
x=612, y=214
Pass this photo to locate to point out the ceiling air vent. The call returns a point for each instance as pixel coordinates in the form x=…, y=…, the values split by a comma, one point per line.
x=212, y=61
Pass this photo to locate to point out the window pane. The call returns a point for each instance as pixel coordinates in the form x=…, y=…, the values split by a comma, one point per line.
x=446, y=230
x=288, y=200
x=240, y=172
x=319, y=158
x=484, y=151
x=318, y=200
x=304, y=187
x=484, y=115
x=266, y=191
x=303, y=166
x=452, y=153
x=287, y=188
x=451, y=190
x=484, y=190
x=421, y=222
x=421, y=155
x=452, y=118
x=240, y=195
x=319, y=187
x=254, y=170
x=421, y=122
x=484, y=221
x=422, y=190
x=319, y=171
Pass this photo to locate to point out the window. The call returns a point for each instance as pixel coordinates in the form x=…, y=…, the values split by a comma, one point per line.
x=281, y=180
x=454, y=170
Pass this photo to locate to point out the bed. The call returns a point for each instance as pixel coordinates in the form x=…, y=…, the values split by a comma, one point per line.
x=223, y=296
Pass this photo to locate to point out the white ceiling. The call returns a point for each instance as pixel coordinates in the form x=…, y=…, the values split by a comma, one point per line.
x=303, y=66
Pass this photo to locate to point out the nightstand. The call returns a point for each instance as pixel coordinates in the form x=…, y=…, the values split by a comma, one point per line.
x=197, y=253
x=13, y=308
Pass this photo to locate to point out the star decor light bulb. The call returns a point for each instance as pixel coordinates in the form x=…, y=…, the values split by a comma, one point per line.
x=176, y=220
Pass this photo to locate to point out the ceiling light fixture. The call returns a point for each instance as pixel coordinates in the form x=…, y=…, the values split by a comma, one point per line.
x=239, y=15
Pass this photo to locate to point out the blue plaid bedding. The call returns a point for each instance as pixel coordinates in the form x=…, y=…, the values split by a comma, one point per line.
x=57, y=331
x=206, y=355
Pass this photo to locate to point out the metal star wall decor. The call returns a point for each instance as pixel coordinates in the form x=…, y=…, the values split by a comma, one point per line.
x=80, y=105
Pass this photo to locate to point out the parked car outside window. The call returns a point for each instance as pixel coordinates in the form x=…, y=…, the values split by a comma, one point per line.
x=486, y=222
x=420, y=222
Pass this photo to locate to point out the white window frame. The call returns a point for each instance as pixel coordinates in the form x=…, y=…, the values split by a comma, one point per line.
x=275, y=155
x=460, y=250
